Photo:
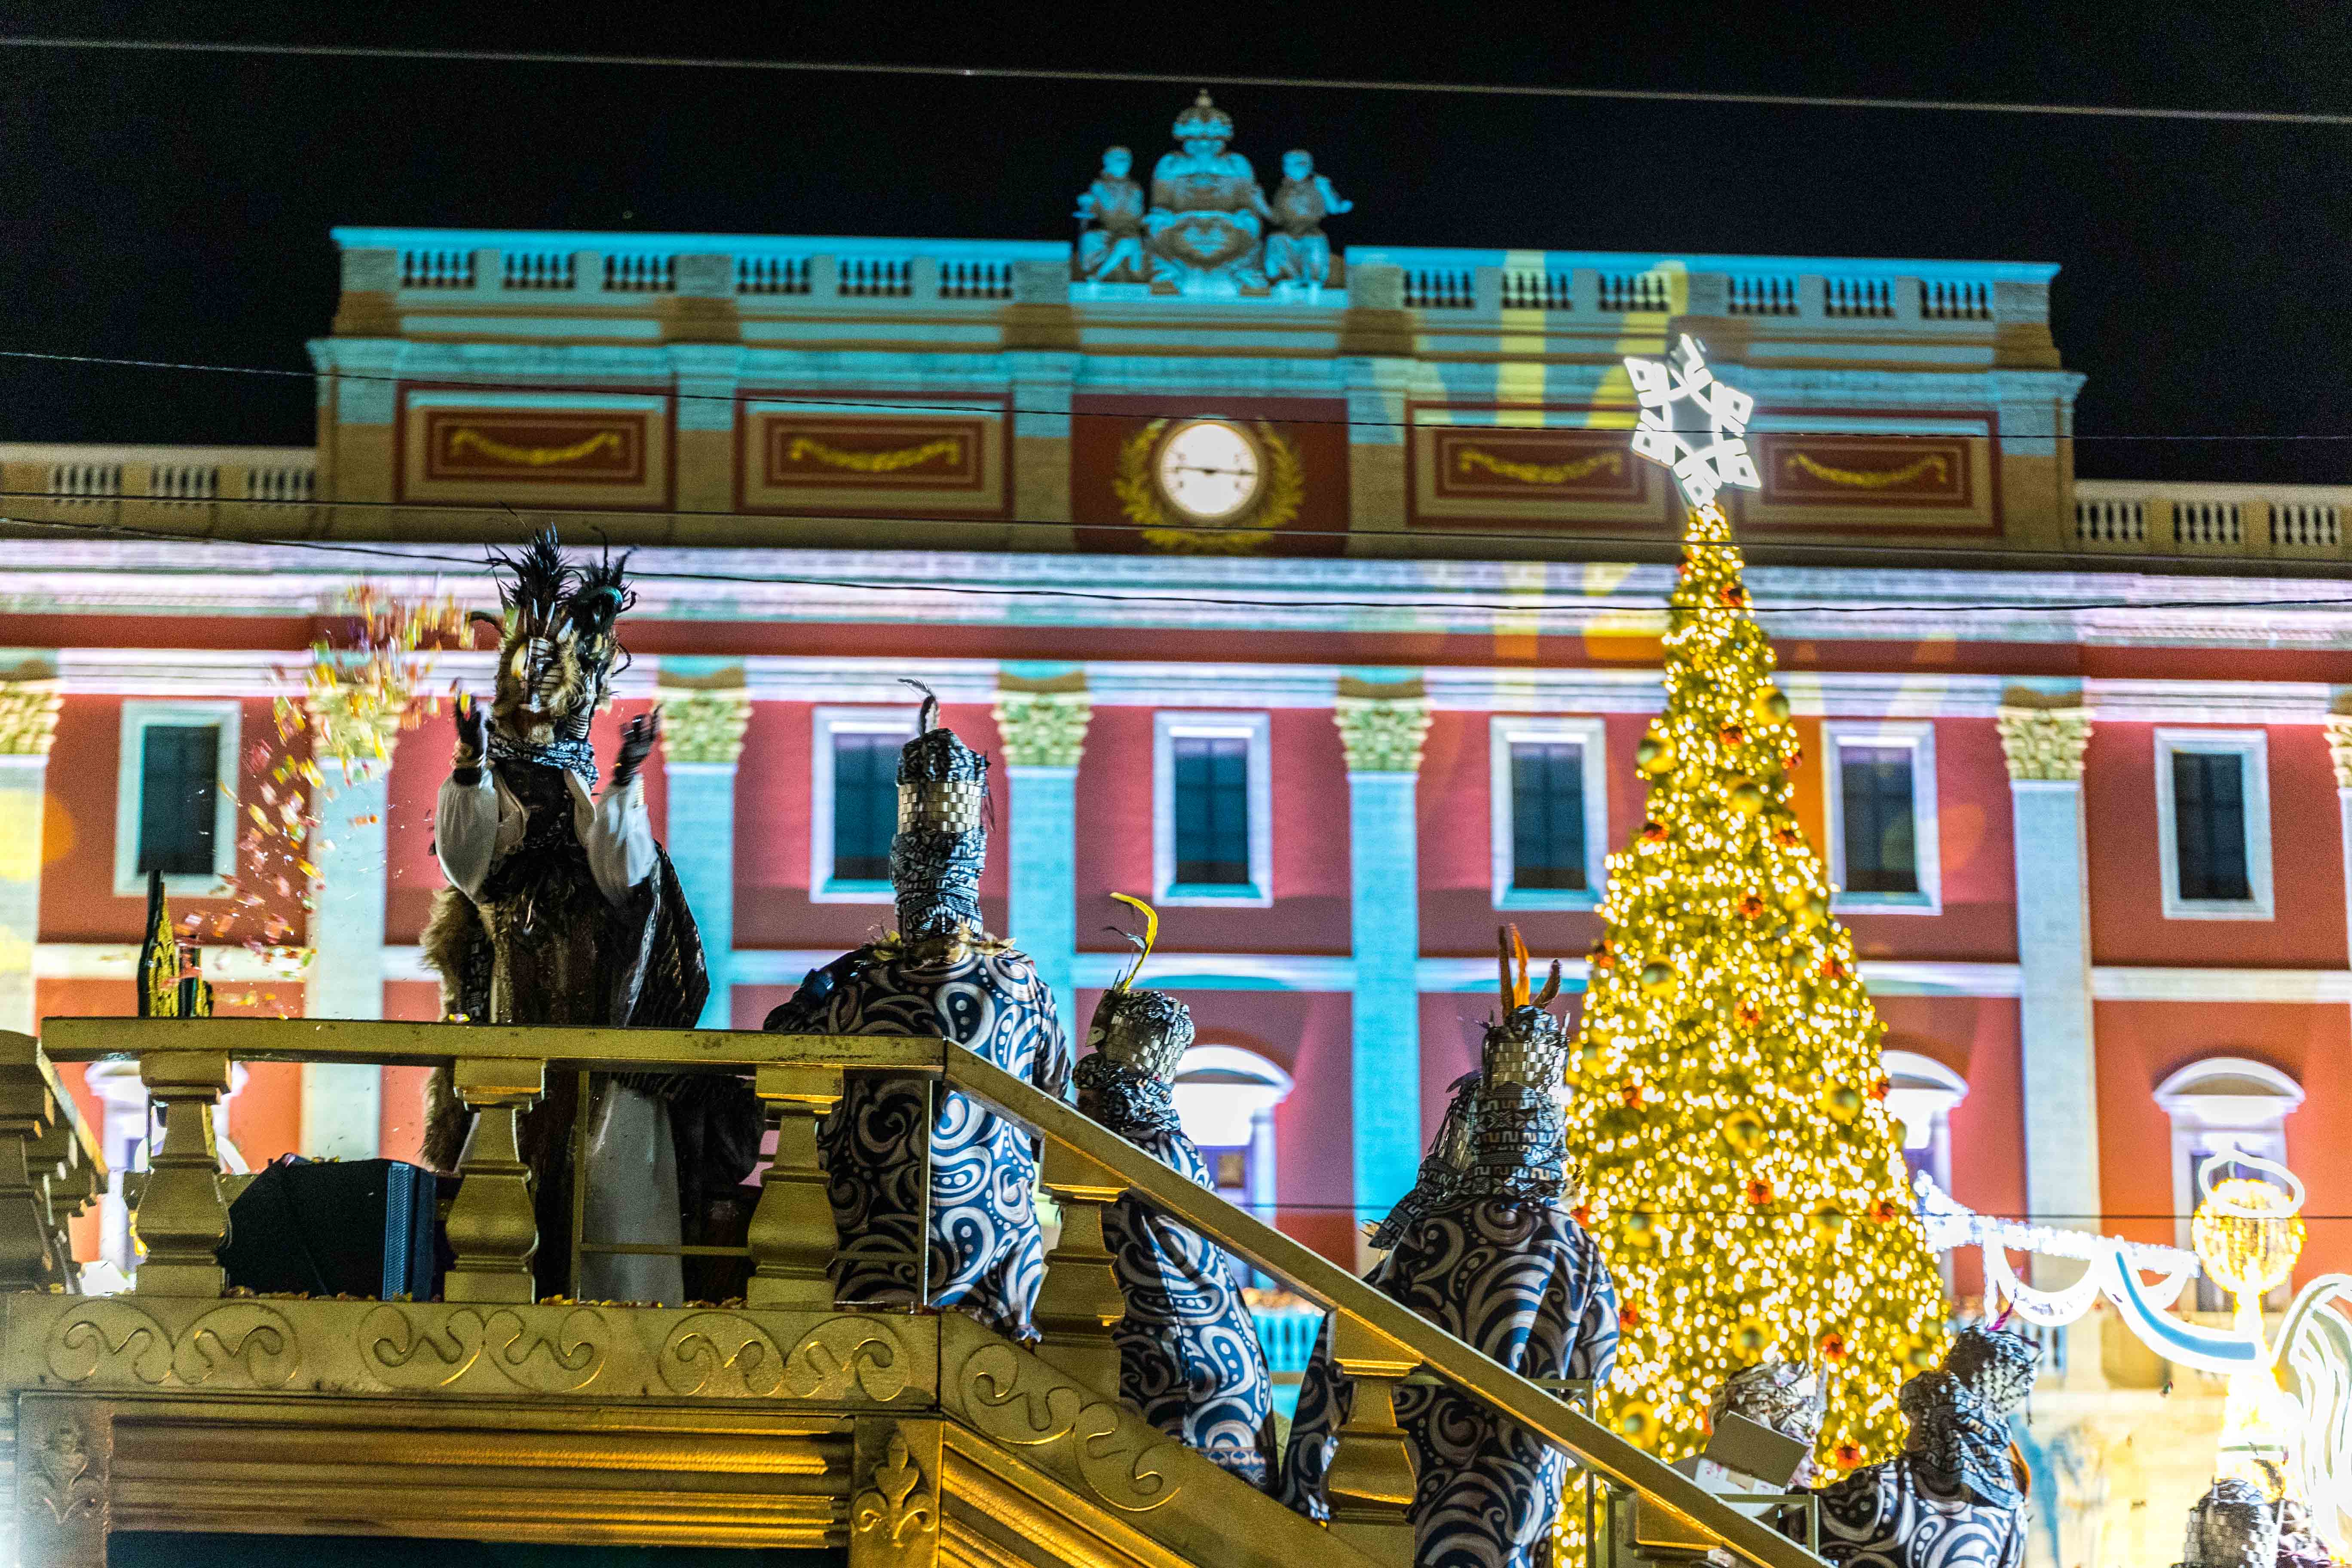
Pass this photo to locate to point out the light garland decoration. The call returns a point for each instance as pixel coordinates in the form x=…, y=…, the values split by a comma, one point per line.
x=1741, y=1171
x=2289, y=1406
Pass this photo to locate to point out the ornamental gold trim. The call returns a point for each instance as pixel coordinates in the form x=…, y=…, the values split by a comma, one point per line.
x=1874, y=478
x=1276, y=505
x=533, y=456
x=887, y=462
x=1468, y=457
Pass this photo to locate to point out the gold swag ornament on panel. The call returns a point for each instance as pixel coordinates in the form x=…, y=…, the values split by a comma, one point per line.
x=533, y=456
x=1245, y=533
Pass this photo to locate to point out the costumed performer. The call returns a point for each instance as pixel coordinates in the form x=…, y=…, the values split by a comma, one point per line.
x=1188, y=1357
x=563, y=909
x=1955, y=1496
x=939, y=976
x=1502, y=1266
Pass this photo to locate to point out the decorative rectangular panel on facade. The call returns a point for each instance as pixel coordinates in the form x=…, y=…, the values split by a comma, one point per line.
x=1548, y=467
x=1935, y=480
x=560, y=450
x=805, y=456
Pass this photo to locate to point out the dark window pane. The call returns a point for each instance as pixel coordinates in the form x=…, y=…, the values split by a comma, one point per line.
x=2209, y=820
x=1881, y=849
x=1548, y=815
x=1211, y=810
x=179, y=793
x=865, y=804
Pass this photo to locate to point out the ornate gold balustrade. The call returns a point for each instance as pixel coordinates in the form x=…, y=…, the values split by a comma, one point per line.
x=912, y=1437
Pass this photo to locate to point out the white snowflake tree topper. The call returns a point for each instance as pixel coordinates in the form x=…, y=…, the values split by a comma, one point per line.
x=1680, y=395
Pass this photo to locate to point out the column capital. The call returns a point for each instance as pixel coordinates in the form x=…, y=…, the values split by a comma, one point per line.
x=28, y=717
x=1381, y=726
x=2340, y=747
x=2045, y=744
x=703, y=724
x=1043, y=728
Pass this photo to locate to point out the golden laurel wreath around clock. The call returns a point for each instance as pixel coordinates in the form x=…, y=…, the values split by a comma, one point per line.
x=1275, y=505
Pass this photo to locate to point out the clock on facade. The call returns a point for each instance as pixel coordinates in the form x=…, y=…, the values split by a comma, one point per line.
x=1209, y=471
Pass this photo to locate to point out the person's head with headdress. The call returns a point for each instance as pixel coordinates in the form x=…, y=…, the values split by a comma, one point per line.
x=1517, y=1142
x=558, y=643
x=1136, y=1042
x=1441, y=1168
x=941, y=843
x=2234, y=1525
x=1959, y=1413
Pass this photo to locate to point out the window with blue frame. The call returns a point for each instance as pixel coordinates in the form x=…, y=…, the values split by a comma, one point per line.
x=1212, y=825
x=865, y=803
x=179, y=798
x=1547, y=815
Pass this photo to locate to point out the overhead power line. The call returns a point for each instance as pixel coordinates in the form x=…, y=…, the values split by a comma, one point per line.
x=1169, y=79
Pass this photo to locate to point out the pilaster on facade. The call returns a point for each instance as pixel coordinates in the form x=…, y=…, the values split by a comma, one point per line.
x=1042, y=714
x=706, y=714
x=1383, y=724
x=28, y=726
x=2044, y=748
x=343, y=1103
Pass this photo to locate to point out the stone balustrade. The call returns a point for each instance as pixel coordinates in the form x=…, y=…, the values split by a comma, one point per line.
x=2132, y=517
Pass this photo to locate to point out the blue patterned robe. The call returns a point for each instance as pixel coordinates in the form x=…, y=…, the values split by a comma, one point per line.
x=1518, y=1279
x=986, y=1255
x=1949, y=1500
x=1188, y=1357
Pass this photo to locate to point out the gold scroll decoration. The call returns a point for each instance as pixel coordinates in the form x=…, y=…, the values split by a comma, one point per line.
x=1246, y=533
x=808, y=448
x=1466, y=459
x=465, y=436
x=1872, y=478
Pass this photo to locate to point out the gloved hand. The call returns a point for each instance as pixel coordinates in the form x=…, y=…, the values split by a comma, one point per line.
x=638, y=739
x=473, y=723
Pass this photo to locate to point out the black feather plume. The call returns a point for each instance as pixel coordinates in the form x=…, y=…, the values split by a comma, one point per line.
x=540, y=574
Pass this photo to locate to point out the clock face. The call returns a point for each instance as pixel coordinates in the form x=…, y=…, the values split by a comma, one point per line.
x=1209, y=471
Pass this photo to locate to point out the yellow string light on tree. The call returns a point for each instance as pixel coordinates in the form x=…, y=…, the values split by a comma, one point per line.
x=1741, y=1170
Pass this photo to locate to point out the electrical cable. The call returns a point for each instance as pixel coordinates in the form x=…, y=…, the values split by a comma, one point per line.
x=1167, y=78
x=1540, y=604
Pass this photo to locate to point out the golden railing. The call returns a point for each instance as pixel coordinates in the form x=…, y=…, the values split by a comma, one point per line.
x=499, y=1070
x=51, y=1171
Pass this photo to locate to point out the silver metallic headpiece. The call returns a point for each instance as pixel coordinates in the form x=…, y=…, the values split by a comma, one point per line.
x=2234, y=1525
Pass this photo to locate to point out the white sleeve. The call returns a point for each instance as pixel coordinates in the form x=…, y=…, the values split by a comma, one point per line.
x=618, y=837
x=466, y=831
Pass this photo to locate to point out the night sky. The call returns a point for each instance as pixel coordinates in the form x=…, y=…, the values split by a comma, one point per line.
x=177, y=208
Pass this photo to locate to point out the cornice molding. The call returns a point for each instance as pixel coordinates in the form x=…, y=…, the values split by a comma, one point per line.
x=80, y=576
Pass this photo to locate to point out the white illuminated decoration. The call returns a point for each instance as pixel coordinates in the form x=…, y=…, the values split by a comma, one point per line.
x=1680, y=397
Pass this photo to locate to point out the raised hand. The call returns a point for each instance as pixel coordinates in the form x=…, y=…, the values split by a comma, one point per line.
x=472, y=722
x=638, y=739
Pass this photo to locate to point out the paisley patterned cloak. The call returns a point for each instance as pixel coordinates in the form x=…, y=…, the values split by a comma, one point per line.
x=544, y=946
x=985, y=1254
x=1949, y=1505
x=1519, y=1281
x=1188, y=1357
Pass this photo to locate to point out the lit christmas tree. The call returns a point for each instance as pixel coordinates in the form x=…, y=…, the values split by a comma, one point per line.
x=1741, y=1170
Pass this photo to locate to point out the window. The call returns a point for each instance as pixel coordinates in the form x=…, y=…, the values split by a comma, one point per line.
x=2212, y=803
x=1881, y=818
x=1550, y=812
x=2220, y=1106
x=1212, y=816
x=854, y=802
x=1211, y=810
x=176, y=797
